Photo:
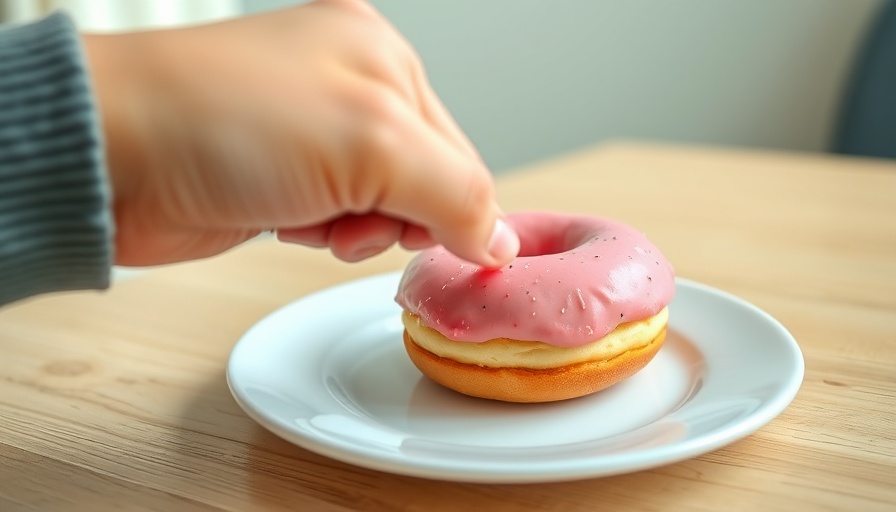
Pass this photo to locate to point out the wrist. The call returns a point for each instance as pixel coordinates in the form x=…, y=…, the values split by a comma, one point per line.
x=115, y=79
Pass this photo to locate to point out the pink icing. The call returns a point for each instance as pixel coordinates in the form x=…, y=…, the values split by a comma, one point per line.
x=576, y=279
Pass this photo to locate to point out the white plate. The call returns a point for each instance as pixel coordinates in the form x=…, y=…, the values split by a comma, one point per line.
x=329, y=373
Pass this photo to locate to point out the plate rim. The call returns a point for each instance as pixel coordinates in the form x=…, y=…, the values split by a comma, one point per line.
x=462, y=471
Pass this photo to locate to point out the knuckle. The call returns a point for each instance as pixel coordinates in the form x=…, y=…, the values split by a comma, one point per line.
x=380, y=144
x=379, y=129
x=382, y=105
x=377, y=153
x=415, y=62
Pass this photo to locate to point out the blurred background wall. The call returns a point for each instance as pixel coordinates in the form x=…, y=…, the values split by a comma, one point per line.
x=528, y=79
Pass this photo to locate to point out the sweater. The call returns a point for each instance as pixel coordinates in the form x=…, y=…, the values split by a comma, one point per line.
x=55, y=215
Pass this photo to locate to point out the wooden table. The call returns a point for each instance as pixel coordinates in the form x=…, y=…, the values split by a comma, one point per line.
x=118, y=401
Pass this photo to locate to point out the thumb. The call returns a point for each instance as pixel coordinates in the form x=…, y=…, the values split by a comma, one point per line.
x=449, y=193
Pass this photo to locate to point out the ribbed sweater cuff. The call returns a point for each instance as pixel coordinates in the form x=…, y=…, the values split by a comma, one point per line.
x=55, y=221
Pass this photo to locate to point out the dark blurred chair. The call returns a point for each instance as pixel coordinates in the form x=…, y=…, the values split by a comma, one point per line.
x=867, y=123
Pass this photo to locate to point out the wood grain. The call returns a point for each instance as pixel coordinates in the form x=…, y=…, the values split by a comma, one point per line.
x=117, y=401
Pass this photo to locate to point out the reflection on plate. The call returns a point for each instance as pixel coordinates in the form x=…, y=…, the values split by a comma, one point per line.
x=329, y=373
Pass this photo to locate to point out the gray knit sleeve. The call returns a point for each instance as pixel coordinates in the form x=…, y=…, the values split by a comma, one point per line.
x=55, y=220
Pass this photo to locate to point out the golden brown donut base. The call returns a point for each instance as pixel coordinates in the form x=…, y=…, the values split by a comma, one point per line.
x=528, y=385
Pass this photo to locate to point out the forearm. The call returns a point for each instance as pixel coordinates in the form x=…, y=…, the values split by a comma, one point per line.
x=55, y=226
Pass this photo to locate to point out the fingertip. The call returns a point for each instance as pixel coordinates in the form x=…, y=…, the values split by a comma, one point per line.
x=503, y=245
x=415, y=238
x=499, y=249
x=360, y=253
x=314, y=236
x=357, y=237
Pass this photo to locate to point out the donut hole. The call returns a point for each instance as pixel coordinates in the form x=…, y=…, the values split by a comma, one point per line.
x=551, y=237
x=541, y=248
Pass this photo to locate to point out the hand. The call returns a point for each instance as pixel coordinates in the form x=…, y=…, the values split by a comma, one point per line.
x=317, y=122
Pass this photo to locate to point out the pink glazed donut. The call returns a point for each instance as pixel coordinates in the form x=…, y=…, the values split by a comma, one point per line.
x=582, y=307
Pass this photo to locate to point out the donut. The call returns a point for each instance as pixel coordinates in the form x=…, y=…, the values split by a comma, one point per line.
x=583, y=307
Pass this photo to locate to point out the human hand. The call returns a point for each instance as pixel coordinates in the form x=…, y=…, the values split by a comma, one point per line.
x=317, y=122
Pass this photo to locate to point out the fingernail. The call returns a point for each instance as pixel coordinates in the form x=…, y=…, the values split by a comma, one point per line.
x=368, y=251
x=504, y=245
